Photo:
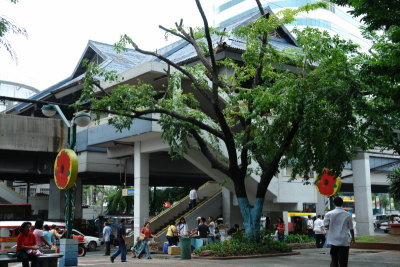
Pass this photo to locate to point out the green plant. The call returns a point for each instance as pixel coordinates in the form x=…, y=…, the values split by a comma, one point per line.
x=240, y=244
x=298, y=239
x=366, y=238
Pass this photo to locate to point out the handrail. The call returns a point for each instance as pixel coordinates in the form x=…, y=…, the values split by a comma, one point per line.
x=178, y=202
x=19, y=194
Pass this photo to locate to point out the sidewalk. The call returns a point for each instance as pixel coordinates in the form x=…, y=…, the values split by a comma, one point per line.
x=308, y=257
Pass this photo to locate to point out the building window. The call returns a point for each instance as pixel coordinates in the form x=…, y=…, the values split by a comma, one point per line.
x=22, y=191
x=44, y=191
x=32, y=192
x=309, y=207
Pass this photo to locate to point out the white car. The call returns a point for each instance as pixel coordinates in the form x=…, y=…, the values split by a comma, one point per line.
x=91, y=242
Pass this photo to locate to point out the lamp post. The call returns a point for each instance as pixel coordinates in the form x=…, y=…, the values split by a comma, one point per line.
x=81, y=119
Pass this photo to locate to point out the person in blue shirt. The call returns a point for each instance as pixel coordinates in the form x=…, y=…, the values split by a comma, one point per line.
x=48, y=235
x=121, y=236
x=107, y=239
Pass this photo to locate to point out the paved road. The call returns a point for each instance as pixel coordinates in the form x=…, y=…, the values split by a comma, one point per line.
x=308, y=257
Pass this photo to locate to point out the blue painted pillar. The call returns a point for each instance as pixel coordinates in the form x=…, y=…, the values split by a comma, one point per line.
x=68, y=248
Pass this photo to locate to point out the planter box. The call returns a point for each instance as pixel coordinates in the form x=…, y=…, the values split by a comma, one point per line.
x=394, y=228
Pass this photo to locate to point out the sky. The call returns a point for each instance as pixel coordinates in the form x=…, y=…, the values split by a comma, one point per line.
x=59, y=30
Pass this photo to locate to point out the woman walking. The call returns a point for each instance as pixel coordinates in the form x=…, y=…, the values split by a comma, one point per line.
x=147, y=235
x=280, y=226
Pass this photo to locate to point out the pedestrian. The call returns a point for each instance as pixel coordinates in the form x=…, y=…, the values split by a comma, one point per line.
x=107, y=238
x=39, y=235
x=147, y=235
x=233, y=230
x=172, y=234
x=26, y=246
x=193, y=198
x=310, y=226
x=121, y=236
x=183, y=229
x=211, y=227
x=203, y=231
x=48, y=235
x=319, y=231
x=338, y=223
x=280, y=227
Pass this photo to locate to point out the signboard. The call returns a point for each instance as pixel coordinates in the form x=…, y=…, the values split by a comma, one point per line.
x=128, y=192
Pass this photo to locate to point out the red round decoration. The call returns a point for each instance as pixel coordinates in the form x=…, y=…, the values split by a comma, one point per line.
x=328, y=184
x=66, y=169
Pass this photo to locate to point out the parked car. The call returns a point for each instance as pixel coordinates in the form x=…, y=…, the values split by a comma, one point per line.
x=91, y=242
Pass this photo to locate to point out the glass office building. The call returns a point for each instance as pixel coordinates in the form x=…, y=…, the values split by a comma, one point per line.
x=333, y=19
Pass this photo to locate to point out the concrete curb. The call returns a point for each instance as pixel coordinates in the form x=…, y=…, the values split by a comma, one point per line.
x=248, y=256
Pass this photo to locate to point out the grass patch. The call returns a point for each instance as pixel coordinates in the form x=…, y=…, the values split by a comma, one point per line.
x=366, y=238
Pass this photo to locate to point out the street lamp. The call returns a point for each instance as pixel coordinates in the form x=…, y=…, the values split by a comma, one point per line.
x=82, y=119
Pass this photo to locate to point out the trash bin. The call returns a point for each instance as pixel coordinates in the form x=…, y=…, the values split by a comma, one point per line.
x=165, y=248
x=186, y=251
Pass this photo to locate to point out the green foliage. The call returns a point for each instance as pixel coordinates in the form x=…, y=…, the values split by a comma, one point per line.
x=9, y=27
x=376, y=14
x=240, y=245
x=170, y=194
x=379, y=76
x=298, y=238
x=118, y=204
x=394, y=186
x=384, y=200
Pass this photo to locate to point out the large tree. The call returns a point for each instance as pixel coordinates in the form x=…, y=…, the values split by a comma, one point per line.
x=7, y=27
x=276, y=107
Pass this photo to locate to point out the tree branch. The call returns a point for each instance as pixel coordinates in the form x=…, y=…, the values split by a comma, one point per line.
x=174, y=33
x=208, y=37
x=269, y=170
x=264, y=41
x=215, y=163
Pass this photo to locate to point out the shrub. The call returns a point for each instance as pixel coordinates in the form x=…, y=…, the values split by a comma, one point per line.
x=299, y=239
x=240, y=245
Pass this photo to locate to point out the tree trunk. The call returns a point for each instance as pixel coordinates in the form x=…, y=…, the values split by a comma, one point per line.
x=251, y=217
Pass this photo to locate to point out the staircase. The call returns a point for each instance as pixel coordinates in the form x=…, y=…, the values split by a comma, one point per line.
x=211, y=206
x=9, y=196
x=180, y=208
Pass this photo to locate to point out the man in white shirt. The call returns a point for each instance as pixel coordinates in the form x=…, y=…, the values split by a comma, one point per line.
x=319, y=231
x=310, y=226
x=339, y=223
x=193, y=197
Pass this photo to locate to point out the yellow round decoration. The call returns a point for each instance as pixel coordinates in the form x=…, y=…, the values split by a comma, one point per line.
x=66, y=169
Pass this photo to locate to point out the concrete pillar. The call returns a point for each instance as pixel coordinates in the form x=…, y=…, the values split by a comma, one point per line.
x=56, y=202
x=362, y=194
x=141, y=182
x=230, y=209
x=78, y=199
x=321, y=204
